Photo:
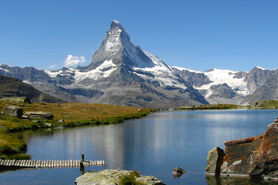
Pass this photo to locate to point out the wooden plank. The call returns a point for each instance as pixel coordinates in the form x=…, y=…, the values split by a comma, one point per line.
x=40, y=164
x=16, y=163
x=29, y=163
x=19, y=163
x=37, y=164
x=13, y=162
x=10, y=162
x=33, y=163
x=44, y=164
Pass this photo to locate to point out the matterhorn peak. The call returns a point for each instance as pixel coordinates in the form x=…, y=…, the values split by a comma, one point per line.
x=116, y=24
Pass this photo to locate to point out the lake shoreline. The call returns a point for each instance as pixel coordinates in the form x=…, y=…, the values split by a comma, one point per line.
x=66, y=115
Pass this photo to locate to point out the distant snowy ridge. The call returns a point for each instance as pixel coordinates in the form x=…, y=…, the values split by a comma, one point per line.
x=220, y=76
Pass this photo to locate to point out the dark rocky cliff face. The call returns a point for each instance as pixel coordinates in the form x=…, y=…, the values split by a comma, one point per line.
x=267, y=91
x=12, y=87
x=256, y=157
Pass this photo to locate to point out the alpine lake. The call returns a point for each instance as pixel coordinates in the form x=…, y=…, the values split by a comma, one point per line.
x=152, y=145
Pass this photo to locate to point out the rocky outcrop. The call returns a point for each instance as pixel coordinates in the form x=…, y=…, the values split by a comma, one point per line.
x=115, y=177
x=15, y=90
x=255, y=157
x=12, y=110
x=39, y=115
x=215, y=160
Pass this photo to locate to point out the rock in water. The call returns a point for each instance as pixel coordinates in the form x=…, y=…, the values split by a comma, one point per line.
x=12, y=110
x=255, y=157
x=177, y=172
x=214, y=161
x=39, y=115
x=114, y=177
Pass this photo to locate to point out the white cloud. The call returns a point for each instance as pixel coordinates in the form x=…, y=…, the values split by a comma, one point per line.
x=73, y=61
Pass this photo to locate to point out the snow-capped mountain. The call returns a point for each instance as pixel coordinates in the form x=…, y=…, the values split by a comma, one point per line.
x=124, y=74
x=120, y=73
x=226, y=86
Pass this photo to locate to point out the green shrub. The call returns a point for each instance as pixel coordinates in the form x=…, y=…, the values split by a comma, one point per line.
x=6, y=150
x=16, y=156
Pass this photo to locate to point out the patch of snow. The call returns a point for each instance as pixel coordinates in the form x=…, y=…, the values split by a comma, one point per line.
x=53, y=74
x=258, y=67
x=103, y=70
x=116, y=21
x=219, y=76
x=185, y=69
x=4, y=70
x=26, y=81
x=161, y=72
x=157, y=61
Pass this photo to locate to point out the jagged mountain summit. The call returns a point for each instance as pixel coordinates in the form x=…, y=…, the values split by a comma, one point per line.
x=120, y=73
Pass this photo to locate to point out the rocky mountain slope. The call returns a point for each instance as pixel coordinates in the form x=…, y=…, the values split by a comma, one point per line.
x=226, y=86
x=11, y=87
x=120, y=73
x=124, y=74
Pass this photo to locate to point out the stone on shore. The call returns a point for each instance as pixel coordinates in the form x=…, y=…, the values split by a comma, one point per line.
x=39, y=115
x=214, y=161
x=12, y=110
x=113, y=177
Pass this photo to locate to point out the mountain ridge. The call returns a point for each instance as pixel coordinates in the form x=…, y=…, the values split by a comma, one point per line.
x=12, y=87
x=122, y=73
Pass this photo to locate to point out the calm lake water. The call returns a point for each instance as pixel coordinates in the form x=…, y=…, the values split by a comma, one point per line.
x=153, y=145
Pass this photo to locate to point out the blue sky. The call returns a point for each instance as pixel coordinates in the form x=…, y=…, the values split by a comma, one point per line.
x=199, y=34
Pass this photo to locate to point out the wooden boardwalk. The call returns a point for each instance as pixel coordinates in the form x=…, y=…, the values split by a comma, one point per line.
x=49, y=163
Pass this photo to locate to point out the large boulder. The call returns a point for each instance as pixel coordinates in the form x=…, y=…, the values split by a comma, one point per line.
x=114, y=177
x=12, y=110
x=214, y=161
x=39, y=115
x=255, y=157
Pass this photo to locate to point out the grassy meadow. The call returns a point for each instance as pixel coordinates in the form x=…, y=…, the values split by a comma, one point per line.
x=72, y=114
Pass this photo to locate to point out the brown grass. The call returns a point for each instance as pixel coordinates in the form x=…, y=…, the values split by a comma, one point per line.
x=73, y=114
